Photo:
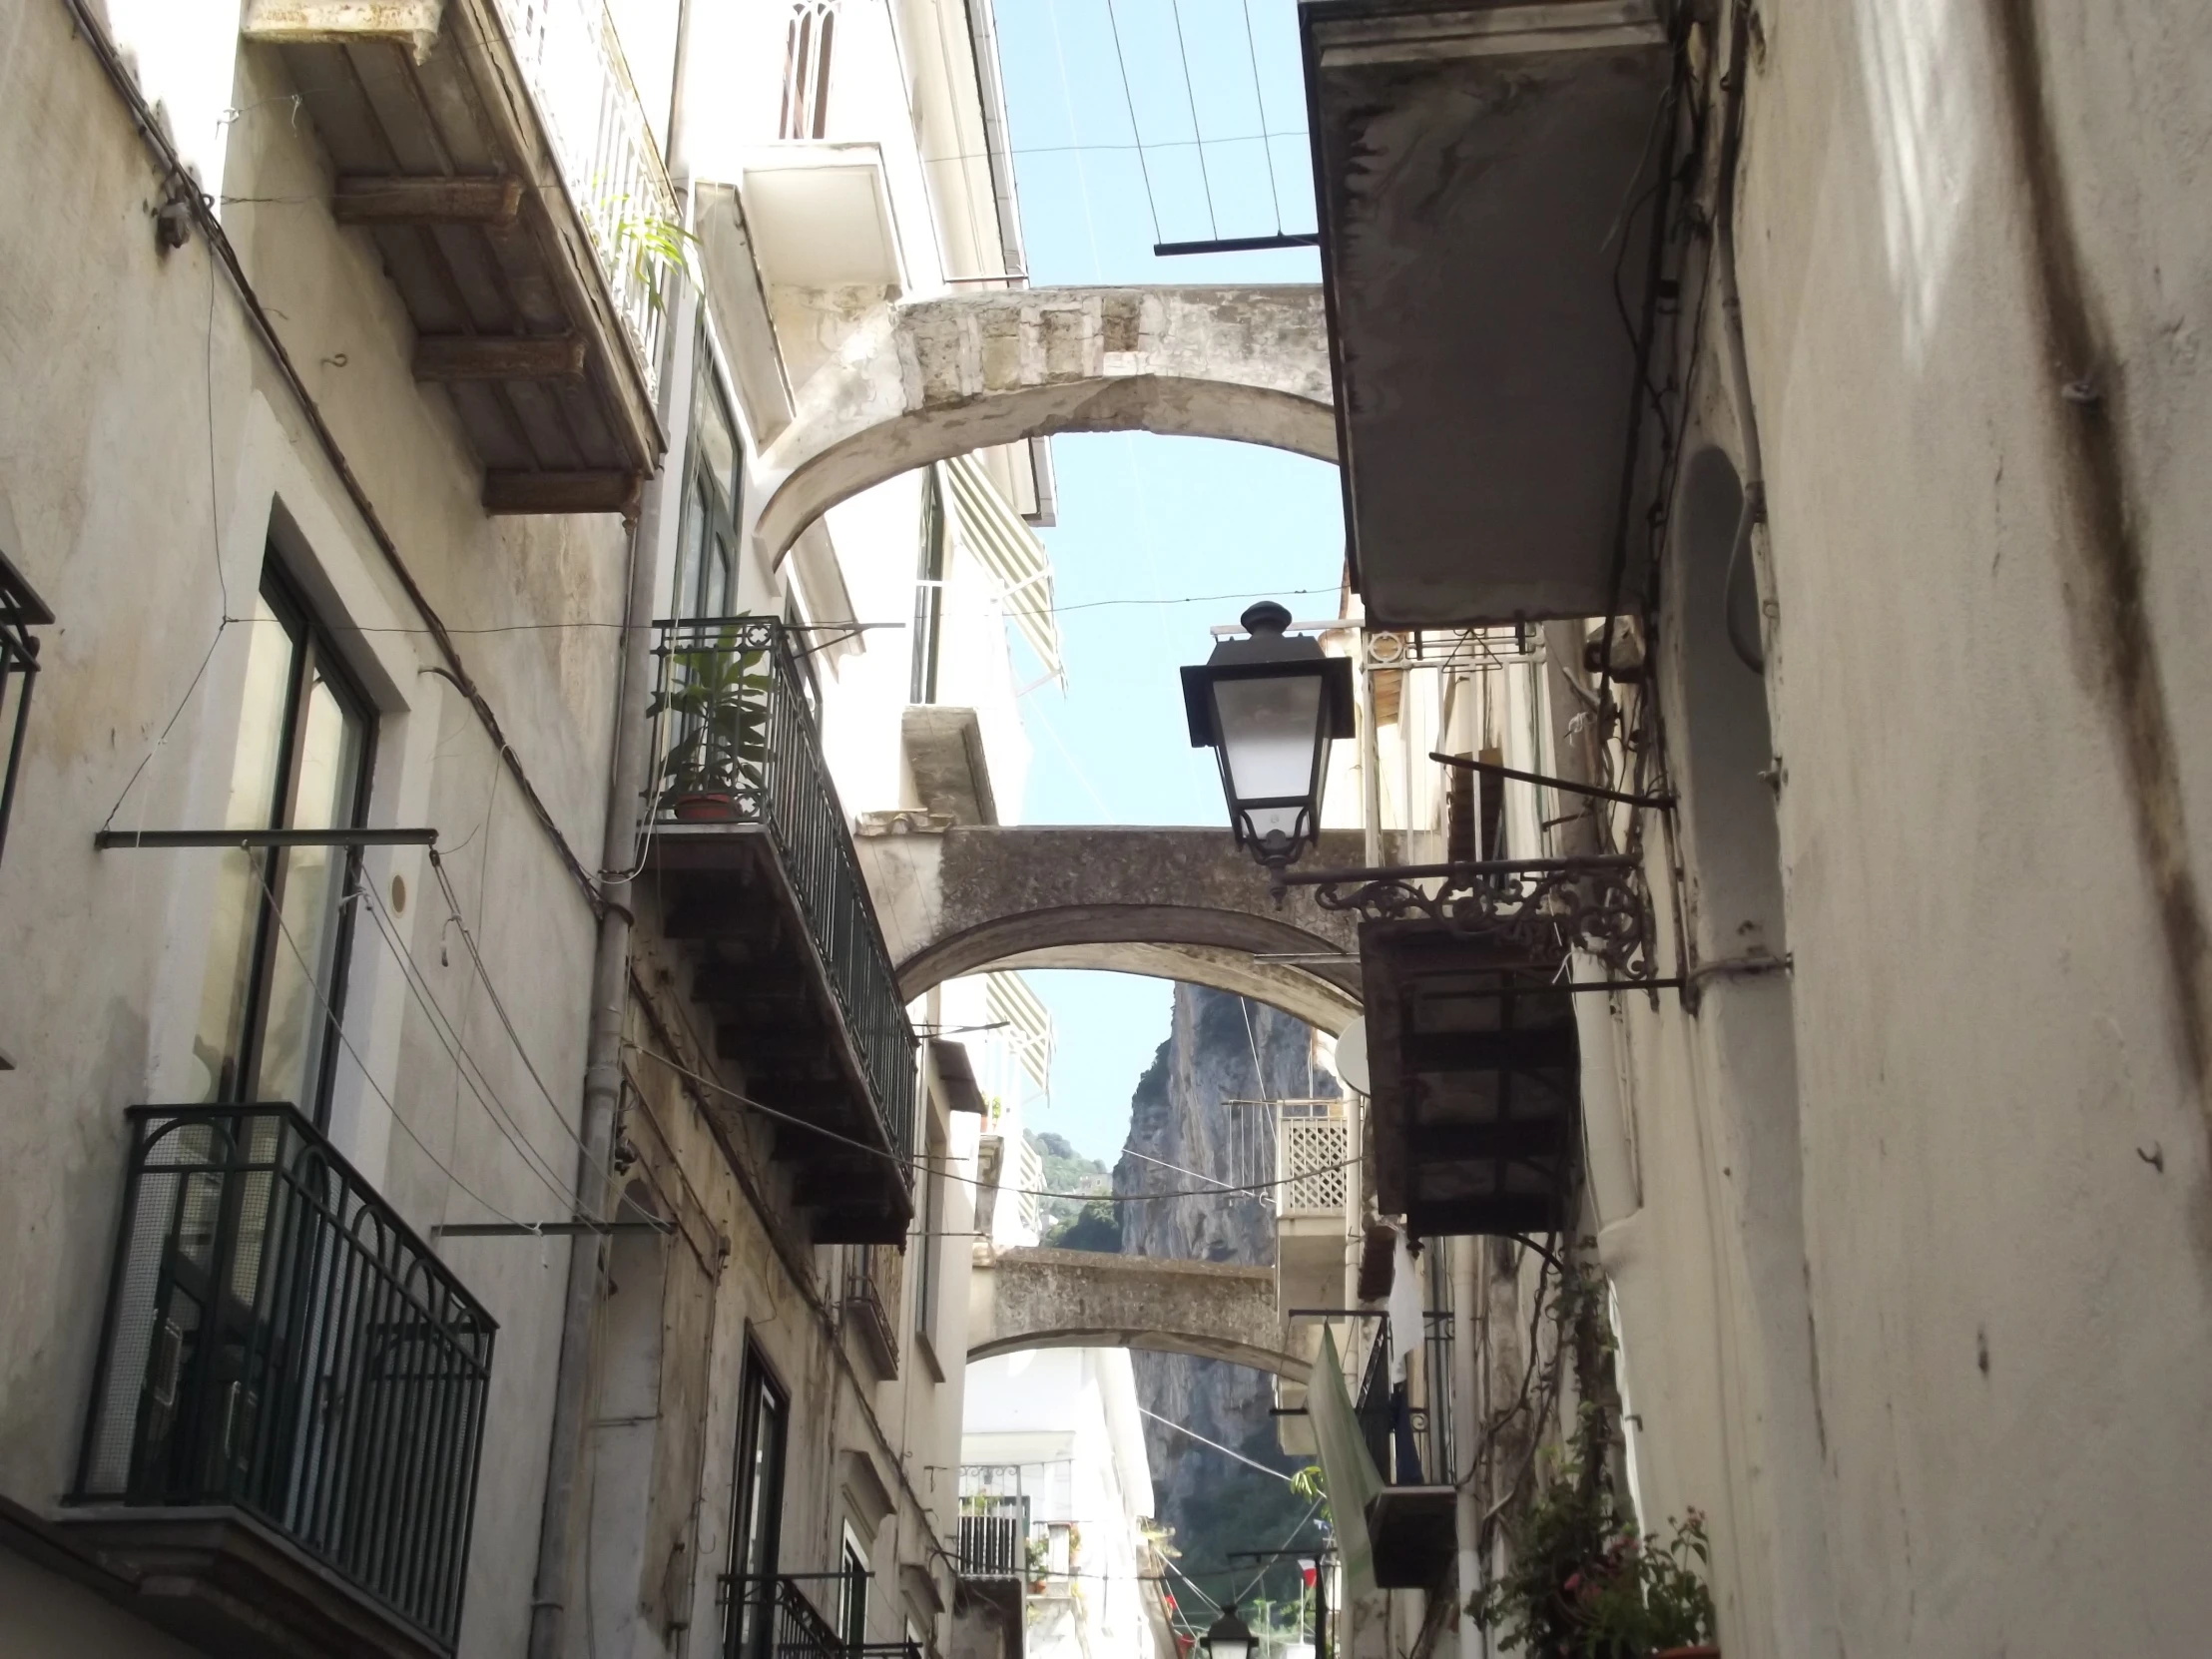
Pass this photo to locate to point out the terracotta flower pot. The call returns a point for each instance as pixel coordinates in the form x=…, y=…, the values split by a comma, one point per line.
x=704, y=809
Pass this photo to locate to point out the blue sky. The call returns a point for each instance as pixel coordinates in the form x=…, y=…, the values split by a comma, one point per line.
x=1146, y=523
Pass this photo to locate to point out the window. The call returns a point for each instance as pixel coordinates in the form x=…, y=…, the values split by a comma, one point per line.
x=757, y=1505
x=280, y=928
x=852, y=1597
x=933, y=1229
x=707, y=558
x=928, y=591
x=806, y=45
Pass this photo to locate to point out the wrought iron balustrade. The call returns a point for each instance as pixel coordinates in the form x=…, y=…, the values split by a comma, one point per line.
x=1411, y=1444
x=611, y=164
x=20, y=611
x=768, y=1616
x=738, y=744
x=995, y=1536
x=278, y=1340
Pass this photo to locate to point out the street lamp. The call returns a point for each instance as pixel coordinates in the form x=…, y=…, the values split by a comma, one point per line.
x=1228, y=1637
x=1269, y=707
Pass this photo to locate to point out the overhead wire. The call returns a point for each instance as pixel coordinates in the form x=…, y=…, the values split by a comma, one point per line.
x=339, y=1028
x=1130, y=98
x=925, y=1166
x=1260, y=96
x=1190, y=92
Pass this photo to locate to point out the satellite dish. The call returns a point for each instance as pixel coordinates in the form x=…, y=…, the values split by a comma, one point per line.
x=1351, y=1055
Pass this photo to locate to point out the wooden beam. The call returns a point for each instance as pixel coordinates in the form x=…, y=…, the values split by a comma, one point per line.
x=597, y=491
x=497, y=356
x=396, y=199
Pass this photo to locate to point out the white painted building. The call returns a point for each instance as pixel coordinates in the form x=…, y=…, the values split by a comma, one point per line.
x=1058, y=1433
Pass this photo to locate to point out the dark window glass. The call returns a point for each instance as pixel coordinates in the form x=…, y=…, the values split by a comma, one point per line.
x=280, y=927
x=928, y=592
x=762, y=1418
x=853, y=1607
x=707, y=567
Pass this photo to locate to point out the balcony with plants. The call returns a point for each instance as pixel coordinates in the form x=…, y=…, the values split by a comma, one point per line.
x=751, y=856
x=289, y=1408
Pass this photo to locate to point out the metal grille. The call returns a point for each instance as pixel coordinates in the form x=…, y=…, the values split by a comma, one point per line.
x=20, y=612
x=1425, y=1415
x=770, y=1617
x=278, y=1340
x=572, y=58
x=995, y=1536
x=738, y=732
x=1310, y=1157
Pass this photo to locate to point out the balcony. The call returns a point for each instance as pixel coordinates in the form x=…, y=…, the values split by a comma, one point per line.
x=752, y=858
x=873, y=1288
x=1407, y=1427
x=770, y=1616
x=497, y=153
x=282, y=1446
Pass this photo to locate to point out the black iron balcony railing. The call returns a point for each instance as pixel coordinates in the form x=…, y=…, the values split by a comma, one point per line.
x=20, y=611
x=738, y=744
x=768, y=1617
x=1407, y=1426
x=279, y=1341
x=995, y=1537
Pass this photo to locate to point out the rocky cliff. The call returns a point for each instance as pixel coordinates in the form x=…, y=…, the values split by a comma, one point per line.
x=1199, y=1117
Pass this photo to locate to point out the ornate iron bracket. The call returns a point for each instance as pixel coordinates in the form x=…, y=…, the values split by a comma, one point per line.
x=1545, y=906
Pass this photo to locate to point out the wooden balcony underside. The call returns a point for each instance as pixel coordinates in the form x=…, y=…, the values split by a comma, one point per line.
x=443, y=162
x=761, y=984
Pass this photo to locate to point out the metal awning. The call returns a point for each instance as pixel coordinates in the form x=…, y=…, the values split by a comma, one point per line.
x=1486, y=178
x=1013, y=555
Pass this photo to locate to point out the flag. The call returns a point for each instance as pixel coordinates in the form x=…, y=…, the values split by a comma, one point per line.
x=1345, y=1468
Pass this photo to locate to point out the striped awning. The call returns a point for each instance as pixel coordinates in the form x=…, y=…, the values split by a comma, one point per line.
x=1012, y=552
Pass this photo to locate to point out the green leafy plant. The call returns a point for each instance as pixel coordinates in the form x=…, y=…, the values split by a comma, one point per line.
x=649, y=247
x=1585, y=1585
x=719, y=696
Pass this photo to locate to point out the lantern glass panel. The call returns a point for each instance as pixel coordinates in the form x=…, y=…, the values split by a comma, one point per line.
x=1270, y=733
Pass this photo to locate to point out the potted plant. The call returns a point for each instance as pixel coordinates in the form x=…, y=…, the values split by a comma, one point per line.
x=719, y=695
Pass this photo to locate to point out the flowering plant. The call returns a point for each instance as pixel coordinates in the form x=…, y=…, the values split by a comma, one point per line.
x=1585, y=1584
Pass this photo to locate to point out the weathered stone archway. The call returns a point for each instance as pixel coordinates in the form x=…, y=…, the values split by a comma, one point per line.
x=1023, y=1298
x=922, y=382
x=1178, y=903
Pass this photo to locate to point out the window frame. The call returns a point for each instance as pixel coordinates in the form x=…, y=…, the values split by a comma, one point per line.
x=313, y=650
x=758, y=1385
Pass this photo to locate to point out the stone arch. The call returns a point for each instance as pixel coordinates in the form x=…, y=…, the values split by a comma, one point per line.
x=1043, y=1298
x=1177, y=903
x=923, y=382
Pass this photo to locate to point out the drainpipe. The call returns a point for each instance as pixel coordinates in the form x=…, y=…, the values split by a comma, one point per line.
x=1753, y=649
x=602, y=1085
x=610, y=990
x=1466, y=1412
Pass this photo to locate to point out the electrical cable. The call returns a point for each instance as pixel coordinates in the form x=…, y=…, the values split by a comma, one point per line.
x=923, y=1163
x=1190, y=92
x=339, y=1028
x=1216, y=1446
x=1130, y=98
x=1260, y=96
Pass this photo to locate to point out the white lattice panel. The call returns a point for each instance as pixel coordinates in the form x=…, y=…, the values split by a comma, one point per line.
x=1310, y=1157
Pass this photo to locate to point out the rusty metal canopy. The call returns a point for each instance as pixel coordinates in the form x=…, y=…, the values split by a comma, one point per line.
x=1476, y=1070
x=1484, y=173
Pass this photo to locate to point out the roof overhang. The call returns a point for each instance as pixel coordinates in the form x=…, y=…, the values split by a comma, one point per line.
x=1485, y=175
